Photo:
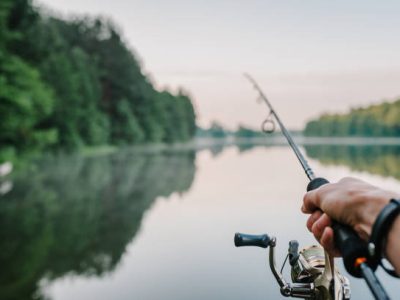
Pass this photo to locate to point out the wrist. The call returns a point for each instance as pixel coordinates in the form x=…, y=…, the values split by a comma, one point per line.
x=391, y=248
x=382, y=233
x=372, y=204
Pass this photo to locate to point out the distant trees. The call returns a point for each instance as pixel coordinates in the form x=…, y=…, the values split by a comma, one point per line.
x=245, y=132
x=375, y=120
x=70, y=83
x=216, y=130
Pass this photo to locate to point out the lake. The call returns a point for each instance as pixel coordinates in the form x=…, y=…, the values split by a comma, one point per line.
x=159, y=223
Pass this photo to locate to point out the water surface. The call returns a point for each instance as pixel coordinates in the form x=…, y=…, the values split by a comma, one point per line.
x=160, y=224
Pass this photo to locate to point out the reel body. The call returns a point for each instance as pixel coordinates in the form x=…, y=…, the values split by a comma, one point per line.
x=313, y=275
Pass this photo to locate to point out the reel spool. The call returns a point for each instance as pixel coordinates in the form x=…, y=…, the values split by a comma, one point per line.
x=309, y=265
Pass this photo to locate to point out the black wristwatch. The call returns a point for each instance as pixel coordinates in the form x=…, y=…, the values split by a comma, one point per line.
x=380, y=231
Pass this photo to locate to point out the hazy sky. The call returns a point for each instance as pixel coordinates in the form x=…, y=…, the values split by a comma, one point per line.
x=310, y=56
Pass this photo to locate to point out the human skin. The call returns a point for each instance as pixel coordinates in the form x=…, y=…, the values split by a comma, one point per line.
x=355, y=203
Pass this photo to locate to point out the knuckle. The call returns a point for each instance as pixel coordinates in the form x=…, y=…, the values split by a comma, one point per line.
x=322, y=191
x=346, y=179
x=305, y=197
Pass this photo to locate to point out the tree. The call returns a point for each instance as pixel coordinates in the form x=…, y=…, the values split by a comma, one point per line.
x=375, y=120
x=24, y=103
x=72, y=83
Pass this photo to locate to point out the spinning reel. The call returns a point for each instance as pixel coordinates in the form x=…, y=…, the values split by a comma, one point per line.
x=312, y=272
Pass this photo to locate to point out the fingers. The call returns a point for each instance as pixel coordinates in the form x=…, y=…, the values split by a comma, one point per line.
x=327, y=241
x=316, y=202
x=310, y=202
x=313, y=217
x=319, y=226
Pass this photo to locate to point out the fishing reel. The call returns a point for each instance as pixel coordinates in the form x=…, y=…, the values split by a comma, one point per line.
x=313, y=274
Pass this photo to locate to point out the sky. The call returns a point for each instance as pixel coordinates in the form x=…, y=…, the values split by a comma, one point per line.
x=309, y=56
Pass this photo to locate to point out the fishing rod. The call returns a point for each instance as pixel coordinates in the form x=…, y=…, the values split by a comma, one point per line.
x=321, y=279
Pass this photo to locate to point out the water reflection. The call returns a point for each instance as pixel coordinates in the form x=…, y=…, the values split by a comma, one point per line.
x=76, y=215
x=380, y=160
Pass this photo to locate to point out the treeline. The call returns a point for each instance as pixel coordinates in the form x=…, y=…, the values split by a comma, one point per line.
x=375, y=120
x=216, y=130
x=71, y=83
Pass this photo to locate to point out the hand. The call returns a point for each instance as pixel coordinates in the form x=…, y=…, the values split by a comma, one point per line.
x=350, y=201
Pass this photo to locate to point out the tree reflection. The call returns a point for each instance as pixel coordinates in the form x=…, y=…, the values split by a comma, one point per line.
x=77, y=215
x=380, y=160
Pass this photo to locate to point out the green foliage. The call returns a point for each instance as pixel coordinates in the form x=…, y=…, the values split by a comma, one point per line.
x=216, y=130
x=5, y=6
x=127, y=129
x=176, y=108
x=244, y=132
x=25, y=103
x=72, y=83
x=375, y=120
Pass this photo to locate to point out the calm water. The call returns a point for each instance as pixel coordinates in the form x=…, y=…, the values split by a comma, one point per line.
x=160, y=225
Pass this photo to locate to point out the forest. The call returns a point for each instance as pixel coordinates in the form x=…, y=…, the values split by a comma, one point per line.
x=72, y=83
x=375, y=120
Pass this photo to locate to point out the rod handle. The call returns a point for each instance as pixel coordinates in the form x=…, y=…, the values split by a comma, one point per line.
x=351, y=246
x=316, y=183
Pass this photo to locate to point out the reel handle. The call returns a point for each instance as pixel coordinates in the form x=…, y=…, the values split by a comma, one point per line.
x=242, y=239
x=347, y=241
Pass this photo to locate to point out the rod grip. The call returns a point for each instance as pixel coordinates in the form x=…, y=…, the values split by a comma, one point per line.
x=316, y=183
x=351, y=246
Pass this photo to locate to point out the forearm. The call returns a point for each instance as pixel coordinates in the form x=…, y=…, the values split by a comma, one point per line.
x=393, y=245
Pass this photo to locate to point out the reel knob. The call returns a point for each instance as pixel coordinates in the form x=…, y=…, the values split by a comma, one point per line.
x=242, y=239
